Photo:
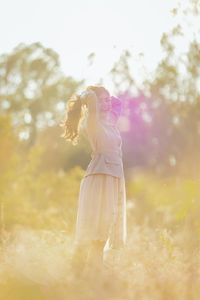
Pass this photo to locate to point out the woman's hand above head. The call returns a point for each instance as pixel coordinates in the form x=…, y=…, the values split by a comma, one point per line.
x=86, y=96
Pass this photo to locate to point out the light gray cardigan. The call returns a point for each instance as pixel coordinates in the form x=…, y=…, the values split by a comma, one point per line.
x=106, y=143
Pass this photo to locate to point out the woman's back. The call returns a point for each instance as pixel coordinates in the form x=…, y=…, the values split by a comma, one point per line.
x=106, y=146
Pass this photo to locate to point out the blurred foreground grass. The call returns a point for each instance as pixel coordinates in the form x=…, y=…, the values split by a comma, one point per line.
x=37, y=223
x=156, y=264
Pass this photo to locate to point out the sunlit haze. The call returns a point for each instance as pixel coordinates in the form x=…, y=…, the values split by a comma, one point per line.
x=75, y=29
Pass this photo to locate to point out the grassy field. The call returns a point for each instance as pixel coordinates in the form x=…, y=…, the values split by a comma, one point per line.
x=38, y=209
x=156, y=264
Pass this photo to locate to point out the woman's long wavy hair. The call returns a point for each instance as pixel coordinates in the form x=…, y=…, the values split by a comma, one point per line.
x=75, y=115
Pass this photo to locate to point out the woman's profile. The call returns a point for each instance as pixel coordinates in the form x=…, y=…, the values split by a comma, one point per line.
x=101, y=215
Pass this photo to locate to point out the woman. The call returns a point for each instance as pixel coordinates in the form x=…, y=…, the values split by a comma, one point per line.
x=101, y=215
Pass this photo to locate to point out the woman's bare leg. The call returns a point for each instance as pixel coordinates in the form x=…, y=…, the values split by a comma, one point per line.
x=96, y=253
x=79, y=257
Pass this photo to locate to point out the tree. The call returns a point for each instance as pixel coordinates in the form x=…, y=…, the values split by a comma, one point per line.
x=163, y=115
x=33, y=88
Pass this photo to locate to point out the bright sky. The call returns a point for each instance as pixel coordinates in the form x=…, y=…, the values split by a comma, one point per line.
x=76, y=28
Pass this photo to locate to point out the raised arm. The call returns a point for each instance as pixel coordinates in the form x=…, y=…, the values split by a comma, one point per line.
x=90, y=99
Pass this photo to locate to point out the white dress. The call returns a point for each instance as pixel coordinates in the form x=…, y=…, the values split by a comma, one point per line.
x=101, y=211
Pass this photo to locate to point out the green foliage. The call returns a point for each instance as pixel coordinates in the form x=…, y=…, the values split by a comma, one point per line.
x=31, y=197
x=32, y=84
x=47, y=198
x=9, y=160
x=175, y=199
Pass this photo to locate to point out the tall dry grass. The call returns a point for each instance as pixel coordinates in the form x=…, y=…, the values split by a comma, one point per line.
x=155, y=264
